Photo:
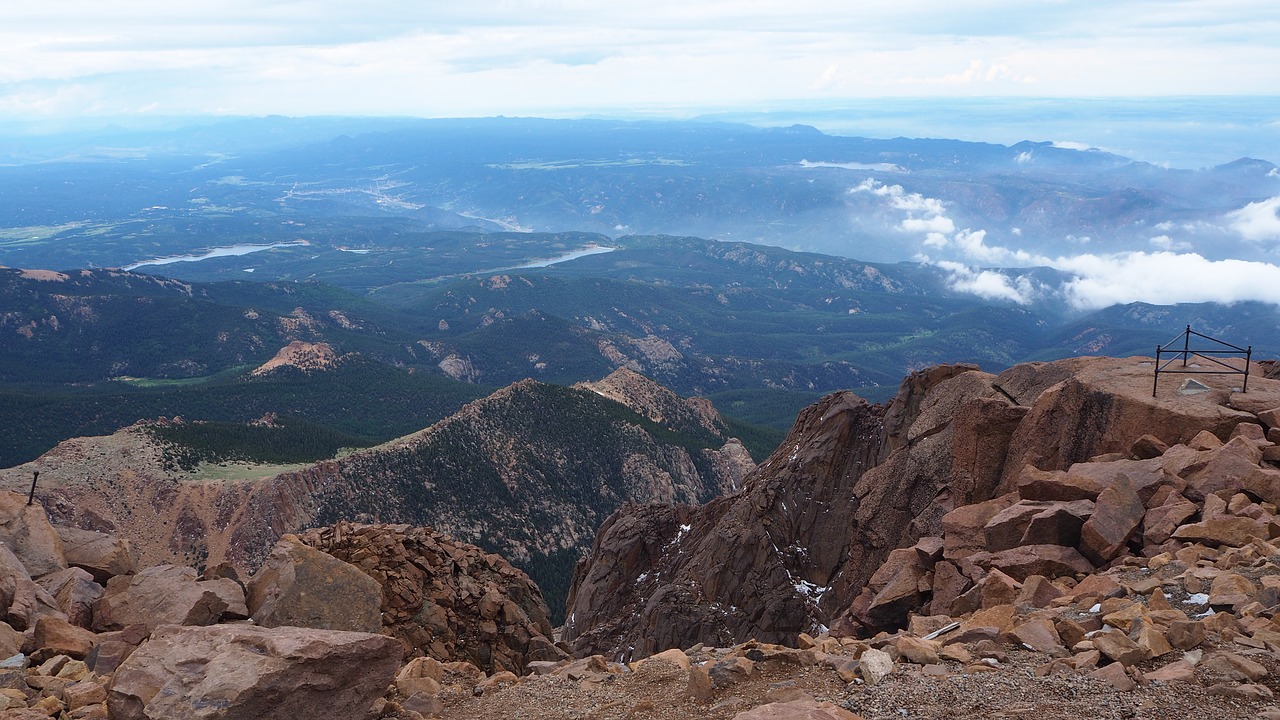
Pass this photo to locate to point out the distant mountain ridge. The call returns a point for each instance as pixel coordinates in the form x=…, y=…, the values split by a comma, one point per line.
x=529, y=471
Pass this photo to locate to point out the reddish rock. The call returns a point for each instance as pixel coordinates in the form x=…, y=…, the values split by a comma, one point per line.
x=26, y=531
x=1020, y=563
x=1222, y=531
x=1033, y=522
x=1117, y=646
x=964, y=528
x=1176, y=671
x=1115, y=676
x=225, y=672
x=1147, y=447
x=1034, y=484
x=1144, y=477
x=1159, y=522
x=443, y=598
x=75, y=591
x=948, y=584
x=1038, y=592
x=55, y=636
x=1222, y=469
x=21, y=600
x=162, y=595
x=102, y=555
x=918, y=651
x=304, y=587
x=1039, y=635
x=1233, y=666
x=1118, y=514
x=1232, y=589
x=1264, y=483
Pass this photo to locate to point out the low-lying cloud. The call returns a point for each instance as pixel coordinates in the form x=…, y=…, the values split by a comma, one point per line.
x=1257, y=221
x=1166, y=275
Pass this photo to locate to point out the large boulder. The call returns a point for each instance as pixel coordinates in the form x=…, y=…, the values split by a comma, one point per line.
x=301, y=586
x=25, y=529
x=75, y=591
x=231, y=672
x=22, y=601
x=166, y=595
x=102, y=555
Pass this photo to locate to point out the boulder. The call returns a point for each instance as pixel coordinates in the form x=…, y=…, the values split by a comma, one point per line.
x=1224, y=468
x=21, y=600
x=1037, y=522
x=25, y=529
x=1020, y=563
x=1159, y=522
x=1119, y=512
x=55, y=636
x=304, y=587
x=1034, y=484
x=164, y=595
x=226, y=672
x=75, y=591
x=102, y=555
x=1222, y=531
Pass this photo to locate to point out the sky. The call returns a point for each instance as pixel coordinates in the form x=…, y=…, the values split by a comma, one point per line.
x=561, y=57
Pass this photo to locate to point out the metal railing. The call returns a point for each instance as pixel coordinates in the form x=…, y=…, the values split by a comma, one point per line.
x=1216, y=355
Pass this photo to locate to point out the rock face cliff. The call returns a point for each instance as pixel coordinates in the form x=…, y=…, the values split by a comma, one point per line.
x=799, y=547
x=528, y=472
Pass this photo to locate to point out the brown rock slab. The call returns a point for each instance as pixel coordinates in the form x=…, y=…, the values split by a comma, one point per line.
x=1176, y=671
x=101, y=555
x=1147, y=447
x=26, y=531
x=918, y=651
x=1117, y=646
x=1118, y=514
x=55, y=636
x=1159, y=522
x=304, y=587
x=1034, y=484
x=1233, y=666
x=1232, y=589
x=1115, y=676
x=75, y=591
x=1247, y=692
x=227, y=672
x=161, y=595
x=1222, y=531
x=1039, y=635
x=1022, y=562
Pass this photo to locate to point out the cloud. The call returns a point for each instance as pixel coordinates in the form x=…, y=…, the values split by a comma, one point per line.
x=1165, y=278
x=989, y=284
x=523, y=56
x=1258, y=222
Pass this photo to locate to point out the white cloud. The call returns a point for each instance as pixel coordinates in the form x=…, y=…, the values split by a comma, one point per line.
x=936, y=225
x=1164, y=242
x=1165, y=278
x=1257, y=221
x=523, y=56
x=989, y=284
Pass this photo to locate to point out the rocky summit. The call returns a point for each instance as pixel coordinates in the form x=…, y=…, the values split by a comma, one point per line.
x=1049, y=542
